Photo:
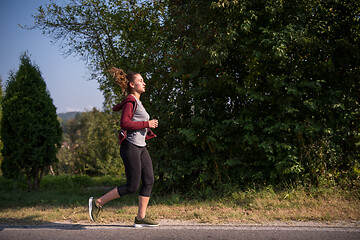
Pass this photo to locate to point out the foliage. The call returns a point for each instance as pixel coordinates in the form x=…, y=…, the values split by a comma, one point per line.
x=30, y=130
x=255, y=91
x=90, y=145
x=1, y=96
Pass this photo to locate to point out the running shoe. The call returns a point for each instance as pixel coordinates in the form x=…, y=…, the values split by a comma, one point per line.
x=145, y=222
x=94, y=210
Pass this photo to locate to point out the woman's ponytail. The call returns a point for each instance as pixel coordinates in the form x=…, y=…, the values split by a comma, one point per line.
x=119, y=77
x=123, y=79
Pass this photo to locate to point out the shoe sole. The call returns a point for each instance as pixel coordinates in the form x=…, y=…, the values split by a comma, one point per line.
x=144, y=225
x=90, y=208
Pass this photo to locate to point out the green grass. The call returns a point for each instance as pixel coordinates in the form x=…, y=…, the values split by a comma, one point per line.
x=55, y=190
x=61, y=182
x=65, y=198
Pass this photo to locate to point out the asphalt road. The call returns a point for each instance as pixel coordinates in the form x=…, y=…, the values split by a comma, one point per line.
x=109, y=232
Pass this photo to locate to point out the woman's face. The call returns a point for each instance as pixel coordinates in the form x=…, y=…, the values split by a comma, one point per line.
x=138, y=84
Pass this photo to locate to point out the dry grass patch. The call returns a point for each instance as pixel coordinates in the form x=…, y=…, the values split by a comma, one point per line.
x=241, y=207
x=43, y=214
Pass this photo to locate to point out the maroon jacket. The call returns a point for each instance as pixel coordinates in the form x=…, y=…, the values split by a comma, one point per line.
x=128, y=107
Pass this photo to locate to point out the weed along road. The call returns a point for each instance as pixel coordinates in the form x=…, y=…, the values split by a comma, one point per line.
x=109, y=232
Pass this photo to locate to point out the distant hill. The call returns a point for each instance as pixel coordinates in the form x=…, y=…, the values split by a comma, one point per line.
x=68, y=115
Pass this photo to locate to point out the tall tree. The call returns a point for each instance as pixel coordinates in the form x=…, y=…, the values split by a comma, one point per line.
x=31, y=132
x=246, y=91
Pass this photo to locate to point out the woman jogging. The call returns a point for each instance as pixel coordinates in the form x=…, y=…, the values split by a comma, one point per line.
x=135, y=125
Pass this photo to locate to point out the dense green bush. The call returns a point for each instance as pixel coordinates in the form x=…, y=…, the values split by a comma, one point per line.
x=246, y=92
x=7, y=184
x=261, y=92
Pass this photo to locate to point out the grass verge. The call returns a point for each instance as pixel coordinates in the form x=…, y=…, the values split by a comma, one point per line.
x=59, y=203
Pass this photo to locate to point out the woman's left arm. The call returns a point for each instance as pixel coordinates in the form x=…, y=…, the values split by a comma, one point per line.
x=126, y=122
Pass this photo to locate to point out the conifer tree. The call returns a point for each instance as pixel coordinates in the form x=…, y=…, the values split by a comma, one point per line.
x=31, y=132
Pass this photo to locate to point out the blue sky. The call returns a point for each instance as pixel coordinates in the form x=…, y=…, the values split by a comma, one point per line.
x=67, y=78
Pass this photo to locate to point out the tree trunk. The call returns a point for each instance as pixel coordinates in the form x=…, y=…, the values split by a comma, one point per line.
x=52, y=171
x=36, y=182
x=29, y=182
x=39, y=177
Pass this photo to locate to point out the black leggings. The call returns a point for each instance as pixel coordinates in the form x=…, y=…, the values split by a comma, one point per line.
x=138, y=166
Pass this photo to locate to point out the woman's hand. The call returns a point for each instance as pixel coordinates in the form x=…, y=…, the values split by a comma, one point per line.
x=153, y=123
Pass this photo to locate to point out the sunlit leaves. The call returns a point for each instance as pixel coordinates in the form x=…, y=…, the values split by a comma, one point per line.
x=282, y=72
